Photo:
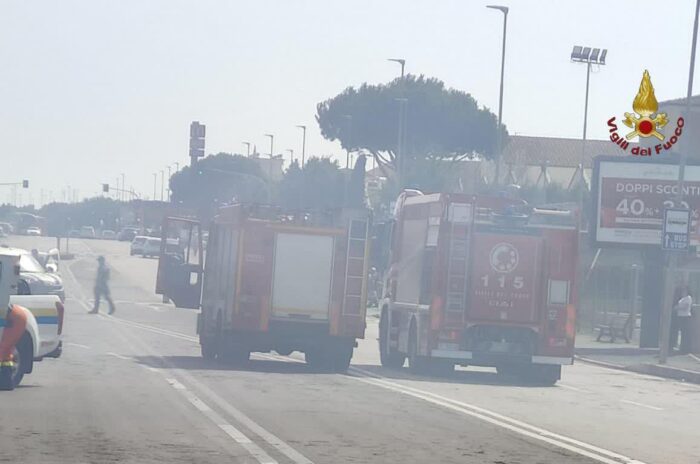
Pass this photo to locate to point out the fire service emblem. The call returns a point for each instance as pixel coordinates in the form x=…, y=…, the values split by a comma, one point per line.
x=504, y=258
x=645, y=122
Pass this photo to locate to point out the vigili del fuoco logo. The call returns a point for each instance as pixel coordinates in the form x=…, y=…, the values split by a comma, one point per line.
x=645, y=122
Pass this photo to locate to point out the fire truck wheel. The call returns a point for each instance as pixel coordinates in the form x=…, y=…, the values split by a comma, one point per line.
x=387, y=358
x=208, y=348
x=544, y=374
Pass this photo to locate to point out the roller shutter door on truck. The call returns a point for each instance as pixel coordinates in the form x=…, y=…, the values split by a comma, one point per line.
x=302, y=275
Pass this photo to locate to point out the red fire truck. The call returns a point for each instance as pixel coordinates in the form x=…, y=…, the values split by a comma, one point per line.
x=272, y=280
x=479, y=281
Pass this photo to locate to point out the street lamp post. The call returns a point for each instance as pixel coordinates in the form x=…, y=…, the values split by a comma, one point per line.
x=400, y=61
x=162, y=183
x=665, y=325
x=177, y=166
x=167, y=190
x=291, y=155
x=303, y=143
x=499, y=138
x=123, y=195
x=348, y=119
x=400, y=164
x=155, y=185
x=247, y=144
x=272, y=153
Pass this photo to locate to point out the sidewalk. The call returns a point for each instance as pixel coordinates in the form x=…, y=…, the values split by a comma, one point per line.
x=628, y=356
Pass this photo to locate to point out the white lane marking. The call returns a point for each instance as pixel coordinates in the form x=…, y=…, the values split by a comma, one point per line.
x=239, y=416
x=575, y=446
x=267, y=436
x=78, y=345
x=239, y=437
x=648, y=406
x=569, y=387
x=120, y=356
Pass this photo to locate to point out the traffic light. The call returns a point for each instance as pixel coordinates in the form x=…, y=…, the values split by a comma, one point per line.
x=105, y=188
x=25, y=184
x=197, y=133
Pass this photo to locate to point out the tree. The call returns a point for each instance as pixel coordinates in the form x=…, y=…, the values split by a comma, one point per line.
x=318, y=185
x=216, y=180
x=440, y=123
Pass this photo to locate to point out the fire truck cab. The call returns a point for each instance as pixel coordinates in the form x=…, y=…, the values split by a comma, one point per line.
x=273, y=280
x=479, y=281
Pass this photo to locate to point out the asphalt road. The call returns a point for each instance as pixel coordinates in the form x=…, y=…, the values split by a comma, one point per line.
x=133, y=388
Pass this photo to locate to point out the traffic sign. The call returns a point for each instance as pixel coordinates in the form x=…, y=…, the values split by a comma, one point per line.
x=676, y=229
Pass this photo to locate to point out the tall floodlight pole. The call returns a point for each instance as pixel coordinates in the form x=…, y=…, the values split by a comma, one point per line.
x=303, y=143
x=499, y=137
x=247, y=145
x=665, y=325
x=272, y=153
x=589, y=57
x=400, y=61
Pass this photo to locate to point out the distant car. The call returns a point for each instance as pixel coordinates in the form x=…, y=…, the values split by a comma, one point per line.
x=6, y=227
x=151, y=247
x=87, y=232
x=74, y=233
x=34, y=231
x=137, y=244
x=109, y=234
x=34, y=279
x=127, y=234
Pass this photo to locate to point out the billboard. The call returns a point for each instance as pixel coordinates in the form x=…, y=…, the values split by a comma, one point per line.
x=631, y=194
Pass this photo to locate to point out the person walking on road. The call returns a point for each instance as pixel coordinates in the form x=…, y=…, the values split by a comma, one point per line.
x=102, y=286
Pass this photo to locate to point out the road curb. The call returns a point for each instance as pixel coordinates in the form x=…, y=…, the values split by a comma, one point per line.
x=655, y=370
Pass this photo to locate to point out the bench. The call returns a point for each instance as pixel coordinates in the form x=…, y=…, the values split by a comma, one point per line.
x=616, y=326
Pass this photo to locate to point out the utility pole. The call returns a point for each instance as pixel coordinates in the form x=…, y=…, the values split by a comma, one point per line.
x=667, y=308
x=303, y=143
x=123, y=195
x=272, y=152
x=348, y=119
x=499, y=138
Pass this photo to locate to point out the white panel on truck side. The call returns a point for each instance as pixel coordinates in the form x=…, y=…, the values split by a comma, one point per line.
x=302, y=276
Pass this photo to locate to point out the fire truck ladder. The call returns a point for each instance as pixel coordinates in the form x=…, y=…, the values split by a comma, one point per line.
x=456, y=277
x=355, y=267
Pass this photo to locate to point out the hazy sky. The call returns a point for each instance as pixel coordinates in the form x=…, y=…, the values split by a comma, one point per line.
x=90, y=89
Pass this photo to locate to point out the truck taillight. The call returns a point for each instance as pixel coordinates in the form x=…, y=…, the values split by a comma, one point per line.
x=60, y=310
x=570, y=328
x=436, y=313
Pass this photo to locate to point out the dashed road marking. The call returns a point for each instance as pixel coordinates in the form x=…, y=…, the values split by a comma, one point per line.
x=648, y=406
x=78, y=345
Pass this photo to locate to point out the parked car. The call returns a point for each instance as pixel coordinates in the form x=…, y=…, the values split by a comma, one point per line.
x=137, y=244
x=34, y=279
x=127, y=234
x=87, y=232
x=34, y=231
x=50, y=260
x=74, y=233
x=151, y=248
x=109, y=234
x=6, y=227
